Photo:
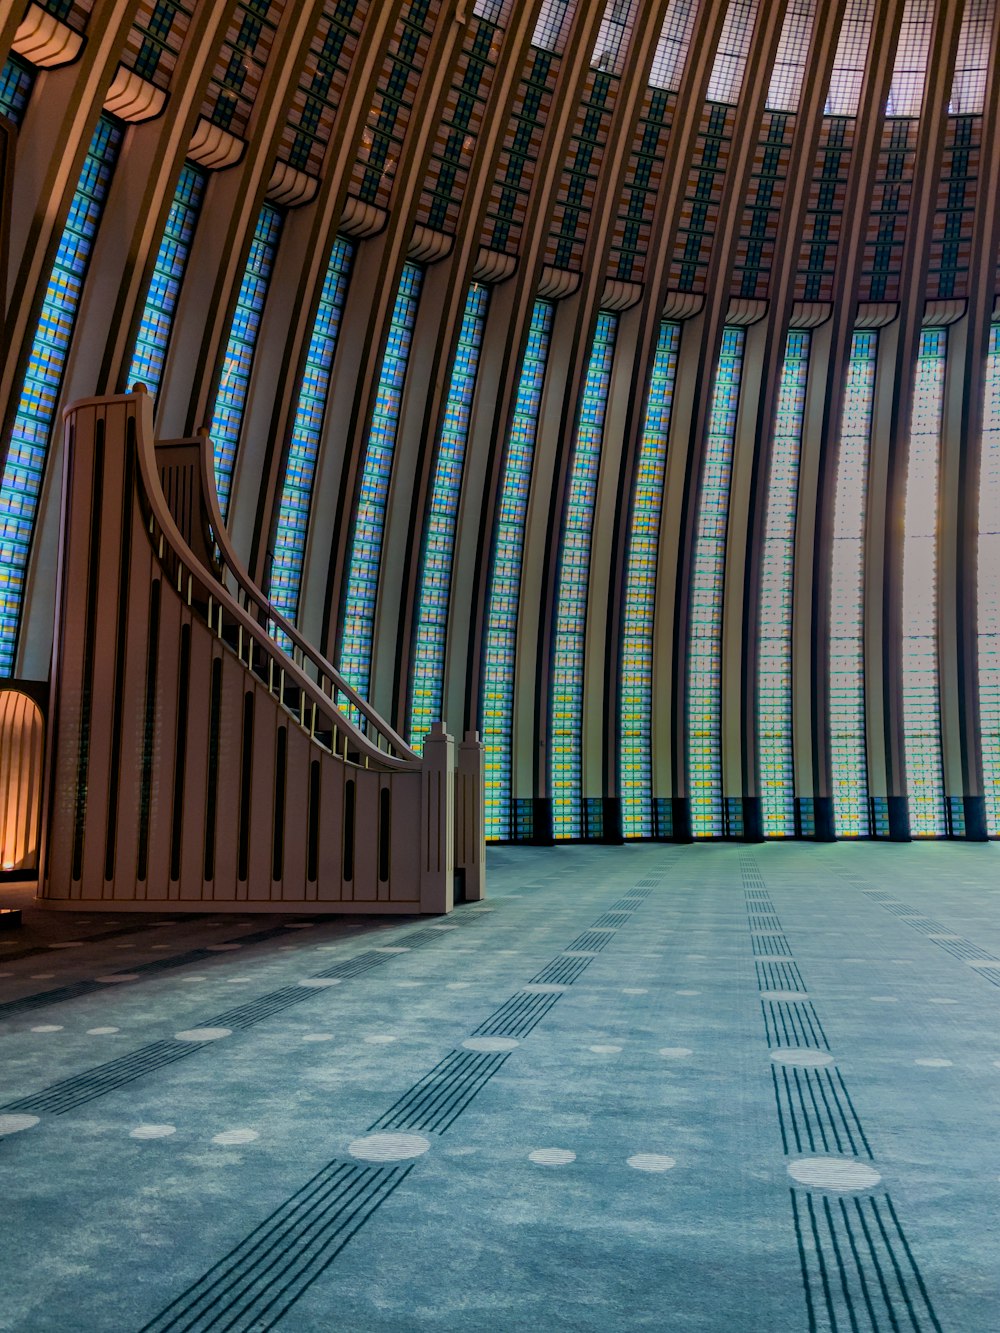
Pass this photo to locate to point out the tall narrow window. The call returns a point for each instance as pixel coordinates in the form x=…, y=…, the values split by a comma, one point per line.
x=552, y=27
x=732, y=51
x=790, y=61
x=636, y=781
x=36, y=406
x=566, y=742
x=774, y=671
x=968, y=88
x=16, y=79
x=851, y=59
x=848, y=749
x=704, y=698
x=165, y=284
x=906, y=93
x=500, y=640
x=672, y=48
x=307, y=426
x=988, y=577
x=921, y=699
x=234, y=384
x=439, y=538
x=369, y=521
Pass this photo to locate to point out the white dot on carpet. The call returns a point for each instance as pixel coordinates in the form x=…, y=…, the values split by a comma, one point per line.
x=229, y=1137
x=318, y=1036
x=940, y=999
x=393, y=948
x=319, y=983
x=199, y=977
x=982, y=962
x=458, y=985
x=222, y=948
x=651, y=1161
x=388, y=1147
x=47, y=976
x=675, y=1052
x=884, y=999
x=115, y=979
x=238, y=981
x=408, y=985
x=604, y=1050
x=933, y=1062
x=101, y=1032
x=443, y=926
x=67, y=944
x=687, y=992
x=13, y=1124
x=299, y=925
x=47, y=1027
x=833, y=1173
x=634, y=990
x=552, y=1156
x=152, y=1131
x=784, y=995
x=379, y=1040
x=490, y=1043
x=943, y=937
x=803, y=1059
x=202, y=1034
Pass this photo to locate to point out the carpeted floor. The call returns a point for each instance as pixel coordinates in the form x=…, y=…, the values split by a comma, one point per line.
x=707, y=1088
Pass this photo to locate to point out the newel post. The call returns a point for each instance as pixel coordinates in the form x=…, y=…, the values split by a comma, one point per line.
x=437, y=808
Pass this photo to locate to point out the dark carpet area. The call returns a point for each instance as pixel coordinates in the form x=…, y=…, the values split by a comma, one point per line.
x=708, y=1088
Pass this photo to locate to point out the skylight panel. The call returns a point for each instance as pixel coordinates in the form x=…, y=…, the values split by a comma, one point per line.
x=906, y=94
x=968, y=88
x=614, y=36
x=790, y=63
x=734, y=47
x=553, y=24
x=672, y=48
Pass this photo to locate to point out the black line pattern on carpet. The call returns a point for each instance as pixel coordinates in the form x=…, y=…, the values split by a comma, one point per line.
x=133, y=928
x=517, y=1016
x=260, y=1279
x=959, y=947
x=561, y=971
x=76, y=989
x=70, y=1093
x=75, y=1091
x=779, y=976
x=440, y=1096
x=816, y=1113
x=858, y=1270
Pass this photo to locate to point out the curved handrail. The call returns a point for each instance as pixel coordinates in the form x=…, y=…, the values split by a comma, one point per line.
x=268, y=615
x=316, y=712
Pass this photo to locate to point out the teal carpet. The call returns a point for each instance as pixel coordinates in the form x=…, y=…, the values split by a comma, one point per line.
x=708, y=1088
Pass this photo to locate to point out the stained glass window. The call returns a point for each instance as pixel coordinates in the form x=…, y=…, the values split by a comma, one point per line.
x=636, y=780
x=704, y=700
x=988, y=577
x=439, y=536
x=36, y=406
x=921, y=699
x=165, y=284
x=566, y=740
x=310, y=409
x=774, y=669
x=500, y=639
x=848, y=750
x=16, y=79
x=234, y=383
x=369, y=521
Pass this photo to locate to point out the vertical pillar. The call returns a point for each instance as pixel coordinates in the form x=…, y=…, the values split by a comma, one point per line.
x=470, y=822
x=437, y=815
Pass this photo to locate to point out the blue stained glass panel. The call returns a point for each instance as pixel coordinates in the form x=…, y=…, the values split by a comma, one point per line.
x=439, y=539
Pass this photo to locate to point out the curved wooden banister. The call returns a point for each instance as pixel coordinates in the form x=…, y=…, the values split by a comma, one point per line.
x=246, y=625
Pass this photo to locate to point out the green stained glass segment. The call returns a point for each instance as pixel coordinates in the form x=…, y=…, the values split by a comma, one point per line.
x=704, y=684
x=636, y=701
x=157, y=319
x=500, y=637
x=234, y=382
x=34, y=416
x=427, y=678
x=848, y=745
x=774, y=663
x=921, y=691
x=364, y=562
x=566, y=717
x=303, y=453
x=988, y=588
